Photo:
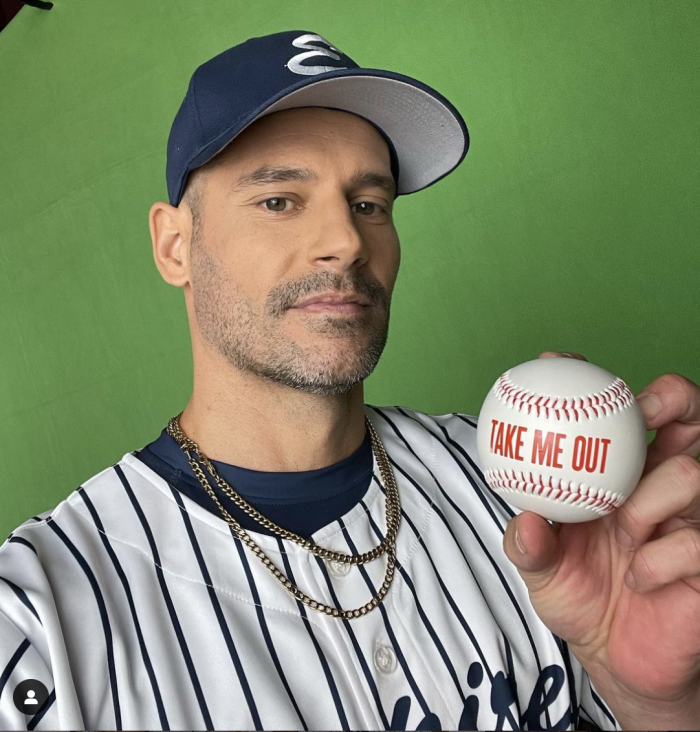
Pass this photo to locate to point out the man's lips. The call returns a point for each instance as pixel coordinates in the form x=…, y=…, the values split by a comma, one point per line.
x=319, y=307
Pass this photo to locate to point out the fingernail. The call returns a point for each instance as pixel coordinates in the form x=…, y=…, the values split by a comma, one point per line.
x=630, y=581
x=650, y=405
x=623, y=538
x=518, y=541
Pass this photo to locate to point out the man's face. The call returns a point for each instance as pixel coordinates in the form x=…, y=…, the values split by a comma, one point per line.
x=260, y=249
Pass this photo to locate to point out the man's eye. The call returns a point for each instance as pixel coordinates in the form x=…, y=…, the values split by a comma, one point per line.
x=374, y=207
x=277, y=199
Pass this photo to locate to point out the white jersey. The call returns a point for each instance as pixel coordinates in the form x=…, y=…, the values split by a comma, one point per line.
x=138, y=608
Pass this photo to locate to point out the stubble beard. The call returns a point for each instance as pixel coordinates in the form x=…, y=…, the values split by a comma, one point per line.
x=335, y=360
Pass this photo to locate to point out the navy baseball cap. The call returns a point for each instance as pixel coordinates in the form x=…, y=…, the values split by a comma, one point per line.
x=426, y=135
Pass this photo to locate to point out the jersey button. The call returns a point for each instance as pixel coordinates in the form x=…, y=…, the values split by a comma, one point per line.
x=339, y=569
x=385, y=659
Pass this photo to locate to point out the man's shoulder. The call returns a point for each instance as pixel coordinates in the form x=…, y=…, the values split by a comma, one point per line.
x=441, y=450
x=78, y=507
x=451, y=427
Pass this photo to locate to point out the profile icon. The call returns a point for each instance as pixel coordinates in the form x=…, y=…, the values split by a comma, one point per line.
x=30, y=696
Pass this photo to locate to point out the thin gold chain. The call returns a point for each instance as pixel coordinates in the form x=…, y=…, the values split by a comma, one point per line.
x=388, y=544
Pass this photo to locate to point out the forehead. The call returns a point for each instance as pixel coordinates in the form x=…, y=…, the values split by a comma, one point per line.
x=279, y=146
x=361, y=176
x=308, y=128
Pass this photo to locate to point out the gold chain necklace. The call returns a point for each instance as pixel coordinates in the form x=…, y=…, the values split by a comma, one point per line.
x=388, y=544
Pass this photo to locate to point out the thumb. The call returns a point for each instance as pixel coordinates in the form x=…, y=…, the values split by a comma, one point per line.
x=532, y=545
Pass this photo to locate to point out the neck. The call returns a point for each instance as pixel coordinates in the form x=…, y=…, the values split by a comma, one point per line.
x=268, y=427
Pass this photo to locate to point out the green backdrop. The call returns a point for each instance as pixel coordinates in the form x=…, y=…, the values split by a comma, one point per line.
x=572, y=224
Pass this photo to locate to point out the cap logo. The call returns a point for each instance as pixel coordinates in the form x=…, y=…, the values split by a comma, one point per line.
x=294, y=63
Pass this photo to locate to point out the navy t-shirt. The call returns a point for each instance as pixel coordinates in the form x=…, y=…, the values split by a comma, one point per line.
x=302, y=502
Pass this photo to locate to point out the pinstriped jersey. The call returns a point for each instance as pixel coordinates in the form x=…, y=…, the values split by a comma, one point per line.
x=138, y=608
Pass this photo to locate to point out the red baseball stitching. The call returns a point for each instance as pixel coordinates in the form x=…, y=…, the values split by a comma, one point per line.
x=569, y=492
x=613, y=398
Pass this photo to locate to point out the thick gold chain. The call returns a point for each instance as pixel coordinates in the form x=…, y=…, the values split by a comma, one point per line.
x=388, y=544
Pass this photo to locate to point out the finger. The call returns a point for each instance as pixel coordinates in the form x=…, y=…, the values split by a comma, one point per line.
x=670, y=491
x=671, y=525
x=674, y=557
x=560, y=354
x=530, y=542
x=679, y=397
x=676, y=439
x=677, y=421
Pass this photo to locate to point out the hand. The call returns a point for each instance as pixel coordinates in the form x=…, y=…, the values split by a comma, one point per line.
x=624, y=590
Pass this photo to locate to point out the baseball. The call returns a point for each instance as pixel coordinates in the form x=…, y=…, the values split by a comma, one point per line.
x=563, y=438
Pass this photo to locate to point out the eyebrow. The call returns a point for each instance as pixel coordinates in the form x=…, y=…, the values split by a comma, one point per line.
x=272, y=174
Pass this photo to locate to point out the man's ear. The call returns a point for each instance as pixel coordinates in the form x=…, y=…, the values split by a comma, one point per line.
x=171, y=229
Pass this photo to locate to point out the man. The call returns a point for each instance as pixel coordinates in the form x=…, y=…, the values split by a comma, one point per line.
x=232, y=574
